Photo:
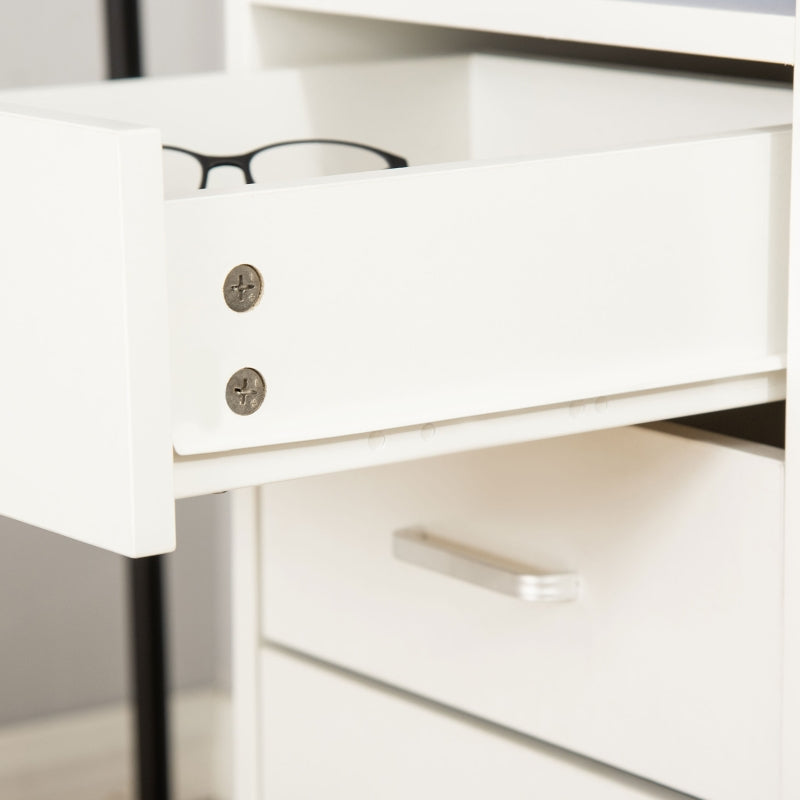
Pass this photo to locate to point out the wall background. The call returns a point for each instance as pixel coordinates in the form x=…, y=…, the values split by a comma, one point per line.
x=63, y=604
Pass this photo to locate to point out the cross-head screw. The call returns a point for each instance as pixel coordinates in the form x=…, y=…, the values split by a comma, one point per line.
x=242, y=288
x=245, y=391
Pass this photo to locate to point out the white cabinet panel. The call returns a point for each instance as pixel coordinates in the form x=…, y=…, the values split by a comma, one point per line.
x=744, y=29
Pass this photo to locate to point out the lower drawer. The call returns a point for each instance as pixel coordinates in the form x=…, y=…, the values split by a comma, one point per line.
x=327, y=734
x=667, y=663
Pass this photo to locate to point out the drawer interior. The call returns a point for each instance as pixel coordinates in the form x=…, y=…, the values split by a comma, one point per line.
x=430, y=110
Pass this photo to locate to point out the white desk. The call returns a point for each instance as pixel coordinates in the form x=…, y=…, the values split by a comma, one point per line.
x=409, y=343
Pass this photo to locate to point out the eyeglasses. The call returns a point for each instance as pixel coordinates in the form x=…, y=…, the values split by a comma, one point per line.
x=290, y=159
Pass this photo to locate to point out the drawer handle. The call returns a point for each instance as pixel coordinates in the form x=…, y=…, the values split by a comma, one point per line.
x=415, y=546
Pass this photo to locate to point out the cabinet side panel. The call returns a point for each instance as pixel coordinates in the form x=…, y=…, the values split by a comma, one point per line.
x=791, y=618
x=84, y=414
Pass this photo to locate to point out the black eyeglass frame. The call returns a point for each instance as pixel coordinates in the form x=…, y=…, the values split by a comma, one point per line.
x=244, y=160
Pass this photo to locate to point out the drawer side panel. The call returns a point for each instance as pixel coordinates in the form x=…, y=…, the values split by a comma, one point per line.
x=442, y=293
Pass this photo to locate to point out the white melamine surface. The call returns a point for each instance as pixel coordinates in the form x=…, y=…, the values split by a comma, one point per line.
x=327, y=734
x=668, y=666
x=84, y=413
x=745, y=29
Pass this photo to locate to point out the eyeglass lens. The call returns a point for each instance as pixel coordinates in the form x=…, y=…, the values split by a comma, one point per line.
x=312, y=159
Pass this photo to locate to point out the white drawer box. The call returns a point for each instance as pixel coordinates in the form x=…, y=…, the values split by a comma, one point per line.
x=564, y=232
x=596, y=231
x=668, y=663
x=326, y=734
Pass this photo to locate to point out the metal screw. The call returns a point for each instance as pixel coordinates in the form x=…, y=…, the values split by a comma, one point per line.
x=242, y=288
x=245, y=391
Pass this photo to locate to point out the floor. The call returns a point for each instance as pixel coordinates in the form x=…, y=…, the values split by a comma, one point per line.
x=87, y=755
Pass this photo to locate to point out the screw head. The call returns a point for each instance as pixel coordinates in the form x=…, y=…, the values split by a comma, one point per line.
x=245, y=391
x=242, y=288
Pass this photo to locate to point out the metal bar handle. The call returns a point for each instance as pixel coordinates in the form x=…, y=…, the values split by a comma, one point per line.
x=415, y=546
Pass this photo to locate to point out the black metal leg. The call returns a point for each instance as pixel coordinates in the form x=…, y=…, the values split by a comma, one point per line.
x=150, y=678
x=123, y=41
x=124, y=53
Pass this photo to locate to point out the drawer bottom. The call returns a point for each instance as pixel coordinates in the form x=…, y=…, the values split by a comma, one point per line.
x=328, y=733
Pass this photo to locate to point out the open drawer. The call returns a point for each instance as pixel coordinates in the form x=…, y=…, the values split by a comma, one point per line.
x=564, y=232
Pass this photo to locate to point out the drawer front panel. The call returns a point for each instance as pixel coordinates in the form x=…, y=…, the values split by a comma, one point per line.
x=667, y=664
x=326, y=734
